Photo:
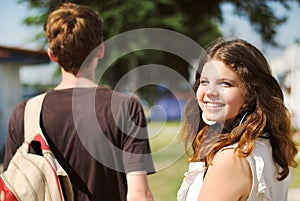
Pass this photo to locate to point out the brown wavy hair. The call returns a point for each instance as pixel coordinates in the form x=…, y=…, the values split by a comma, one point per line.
x=73, y=32
x=265, y=113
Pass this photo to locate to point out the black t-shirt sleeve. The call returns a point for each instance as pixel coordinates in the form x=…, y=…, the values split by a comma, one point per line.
x=137, y=152
x=15, y=136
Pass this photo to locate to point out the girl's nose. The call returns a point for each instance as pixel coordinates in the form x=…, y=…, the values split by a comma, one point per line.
x=211, y=90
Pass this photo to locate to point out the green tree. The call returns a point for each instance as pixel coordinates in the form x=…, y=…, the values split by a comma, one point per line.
x=198, y=20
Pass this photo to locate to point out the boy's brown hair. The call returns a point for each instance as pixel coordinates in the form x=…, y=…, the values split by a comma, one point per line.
x=72, y=33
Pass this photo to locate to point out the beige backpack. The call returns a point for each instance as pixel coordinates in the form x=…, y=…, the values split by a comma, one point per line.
x=31, y=176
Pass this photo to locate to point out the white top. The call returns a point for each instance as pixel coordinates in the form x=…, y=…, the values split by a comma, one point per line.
x=265, y=186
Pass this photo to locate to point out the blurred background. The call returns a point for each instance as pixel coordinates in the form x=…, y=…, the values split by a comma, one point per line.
x=272, y=26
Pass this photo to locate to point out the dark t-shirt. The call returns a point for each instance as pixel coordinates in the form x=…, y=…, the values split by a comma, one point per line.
x=96, y=134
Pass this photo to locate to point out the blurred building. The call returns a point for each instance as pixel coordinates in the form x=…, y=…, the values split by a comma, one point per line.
x=11, y=60
x=287, y=69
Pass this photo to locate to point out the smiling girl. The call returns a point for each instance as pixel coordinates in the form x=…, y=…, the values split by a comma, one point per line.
x=241, y=131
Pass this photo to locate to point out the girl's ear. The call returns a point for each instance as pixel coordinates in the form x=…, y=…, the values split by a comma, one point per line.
x=51, y=56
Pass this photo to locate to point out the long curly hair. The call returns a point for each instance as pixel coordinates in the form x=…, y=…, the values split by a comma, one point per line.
x=265, y=113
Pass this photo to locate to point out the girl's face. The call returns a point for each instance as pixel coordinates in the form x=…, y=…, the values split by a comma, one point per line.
x=220, y=93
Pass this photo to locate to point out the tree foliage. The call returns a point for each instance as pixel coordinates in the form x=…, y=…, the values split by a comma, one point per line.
x=198, y=20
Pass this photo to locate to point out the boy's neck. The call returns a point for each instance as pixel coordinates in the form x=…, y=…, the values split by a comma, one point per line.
x=69, y=80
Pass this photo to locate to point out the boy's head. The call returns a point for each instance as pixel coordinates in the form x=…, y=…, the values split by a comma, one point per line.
x=73, y=32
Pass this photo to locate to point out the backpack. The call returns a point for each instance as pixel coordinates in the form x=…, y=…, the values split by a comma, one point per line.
x=32, y=176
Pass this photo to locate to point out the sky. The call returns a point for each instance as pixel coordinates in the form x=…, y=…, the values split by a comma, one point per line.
x=287, y=34
x=15, y=34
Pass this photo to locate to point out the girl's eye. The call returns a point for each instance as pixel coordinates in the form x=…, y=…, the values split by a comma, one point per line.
x=203, y=82
x=226, y=84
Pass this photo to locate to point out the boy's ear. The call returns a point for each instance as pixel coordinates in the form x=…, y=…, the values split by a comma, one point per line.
x=51, y=56
x=100, y=53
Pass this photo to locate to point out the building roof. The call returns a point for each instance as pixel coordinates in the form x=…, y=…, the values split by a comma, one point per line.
x=12, y=55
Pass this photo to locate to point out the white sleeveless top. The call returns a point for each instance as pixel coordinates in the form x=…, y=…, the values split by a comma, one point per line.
x=265, y=186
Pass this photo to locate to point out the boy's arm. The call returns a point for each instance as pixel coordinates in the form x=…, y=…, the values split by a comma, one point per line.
x=138, y=188
x=15, y=136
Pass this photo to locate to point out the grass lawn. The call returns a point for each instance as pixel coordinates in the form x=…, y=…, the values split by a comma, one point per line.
x=171, y=162
x=296, y=177
x=296, y=173
x=169, y=159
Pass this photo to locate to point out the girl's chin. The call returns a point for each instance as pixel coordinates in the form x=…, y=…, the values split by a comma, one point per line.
x=214, y=117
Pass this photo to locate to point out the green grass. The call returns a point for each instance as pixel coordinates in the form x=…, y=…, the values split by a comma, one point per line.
x=169, y=159
x=296, y=177
x=296, y=174
x=165, y=183
x=171, y=162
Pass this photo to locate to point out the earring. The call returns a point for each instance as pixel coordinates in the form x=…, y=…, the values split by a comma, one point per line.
x=208, y=122
x=244, y=116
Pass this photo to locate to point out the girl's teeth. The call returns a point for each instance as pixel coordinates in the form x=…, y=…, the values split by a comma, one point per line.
x=214, y=104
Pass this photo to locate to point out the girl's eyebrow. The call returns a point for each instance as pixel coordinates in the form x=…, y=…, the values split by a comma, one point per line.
x=231, y=81
x=227, y=79
x=221, y=79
